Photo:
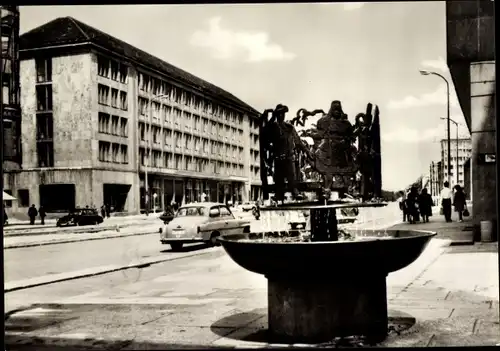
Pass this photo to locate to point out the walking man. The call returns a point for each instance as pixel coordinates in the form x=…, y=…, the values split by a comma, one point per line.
x=103, y=211
x=459, y=202
x=42, y=214
x=32, y=213
x=446, y=195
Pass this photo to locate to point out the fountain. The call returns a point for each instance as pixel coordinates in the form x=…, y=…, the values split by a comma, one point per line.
x=323, y=281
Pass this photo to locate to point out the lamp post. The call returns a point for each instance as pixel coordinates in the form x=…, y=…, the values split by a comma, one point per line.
x=456, y=125
x=148, y=150
x=426, y=73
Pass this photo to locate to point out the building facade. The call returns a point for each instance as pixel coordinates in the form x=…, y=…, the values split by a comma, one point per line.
x=471, y=61
x=464, y=146
x=104, y=122
x=10, y=95
x=436, y=179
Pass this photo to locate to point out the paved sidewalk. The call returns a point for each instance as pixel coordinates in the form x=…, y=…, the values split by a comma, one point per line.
x=14, y=242
x=451, y=291
x=50, y=225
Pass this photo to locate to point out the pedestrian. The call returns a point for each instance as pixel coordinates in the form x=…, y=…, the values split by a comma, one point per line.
x=42, y=214
x=5, y=217
x=103, y=211
x=203, y=197
x=446, y=195
x=459, y=202
x=32, y=213
x=108, y=210
x=412, y=201
x=425, y=205
x=403, y=205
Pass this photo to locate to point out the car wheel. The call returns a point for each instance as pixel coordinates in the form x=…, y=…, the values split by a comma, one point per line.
x=246, y=230
x=176, y=246
x=213, y=239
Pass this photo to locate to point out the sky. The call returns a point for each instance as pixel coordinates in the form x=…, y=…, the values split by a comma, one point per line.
x=305, y=56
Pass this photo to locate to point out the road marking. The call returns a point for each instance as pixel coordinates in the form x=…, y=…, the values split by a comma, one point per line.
x=54, y=278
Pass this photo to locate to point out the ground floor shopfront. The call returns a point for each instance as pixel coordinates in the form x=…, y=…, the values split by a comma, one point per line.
x=59, y=190
x=62, y=189
x=165, y=190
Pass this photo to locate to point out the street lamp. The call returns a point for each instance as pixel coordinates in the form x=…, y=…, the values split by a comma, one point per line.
x=148, y=150
x=426, y=73
x=456, y=124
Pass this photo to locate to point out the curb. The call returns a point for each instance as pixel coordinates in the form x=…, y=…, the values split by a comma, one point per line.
x=63, y=230
x=55, y=242
x=56, y=278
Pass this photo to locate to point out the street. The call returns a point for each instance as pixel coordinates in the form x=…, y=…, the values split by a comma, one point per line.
x=30, y=262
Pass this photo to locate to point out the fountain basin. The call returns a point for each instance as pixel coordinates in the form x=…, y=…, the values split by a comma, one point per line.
x=321, y=290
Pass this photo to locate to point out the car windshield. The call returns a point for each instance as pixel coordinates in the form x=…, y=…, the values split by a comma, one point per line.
x=191, y=211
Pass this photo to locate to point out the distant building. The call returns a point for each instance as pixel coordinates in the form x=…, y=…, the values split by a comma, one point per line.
x=94, y=108
x=436, y=179
x=457, y=164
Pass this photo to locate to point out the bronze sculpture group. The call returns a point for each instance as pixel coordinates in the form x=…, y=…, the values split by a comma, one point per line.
x=333, y=157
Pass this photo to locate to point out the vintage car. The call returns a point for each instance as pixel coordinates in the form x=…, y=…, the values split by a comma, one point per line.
x=201, y=222
x=248, y=206
x=80, y=216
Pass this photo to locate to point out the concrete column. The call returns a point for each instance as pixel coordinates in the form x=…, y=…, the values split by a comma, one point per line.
x=162, y=193
x=483, y=135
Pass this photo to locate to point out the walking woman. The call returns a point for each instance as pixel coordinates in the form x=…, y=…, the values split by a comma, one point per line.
x=425, y=202
x=459, y=202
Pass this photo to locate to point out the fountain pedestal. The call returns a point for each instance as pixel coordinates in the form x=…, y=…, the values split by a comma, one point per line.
x=315, y=310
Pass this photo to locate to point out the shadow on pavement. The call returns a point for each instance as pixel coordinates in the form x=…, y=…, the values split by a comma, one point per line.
x=193, y=247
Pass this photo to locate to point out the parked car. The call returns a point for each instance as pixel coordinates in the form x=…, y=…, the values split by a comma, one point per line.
x=201, y=222
x=80, y=216
x=248, y=206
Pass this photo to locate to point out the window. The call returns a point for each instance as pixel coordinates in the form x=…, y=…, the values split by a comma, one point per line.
x=142, y=131
x=156, y=111
x=44, y=127
x=188, y=142
x=43, y=70
x=124, y=154
x=155, y=86
x=45, y=152
x=143, y=103
x=187, y=163
x=156, y=135
x=144, y=82
x=104, y=120
x=115, y=120
x=178, y=161
x=168, y=138
x=115, y=149
x=103, y=94
x=104, y=148
x=114, y=98
x=114, y=70
x=44, y=97
x=178, y=140
x=167, y=111
x=123, y=73
x=102, y=67
x=23, y=196
x=123, y=127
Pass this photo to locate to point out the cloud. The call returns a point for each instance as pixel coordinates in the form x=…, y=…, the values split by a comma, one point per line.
x=350, y=6
x=439, y=64
x=226, y=44
x=437, y=97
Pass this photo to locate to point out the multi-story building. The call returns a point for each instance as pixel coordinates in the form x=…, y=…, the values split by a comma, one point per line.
x=103, y=121
x=9, y=81
x=436, y=178
x=458, y=161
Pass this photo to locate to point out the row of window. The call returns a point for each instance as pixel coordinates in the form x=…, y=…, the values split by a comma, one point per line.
x=117, y=99
x=112, y=69
x=182, y=119
x=179, y=140
x=189, y=163
x=113, y=152
x=113, y=125
x=181, y=96
x=156, y=133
